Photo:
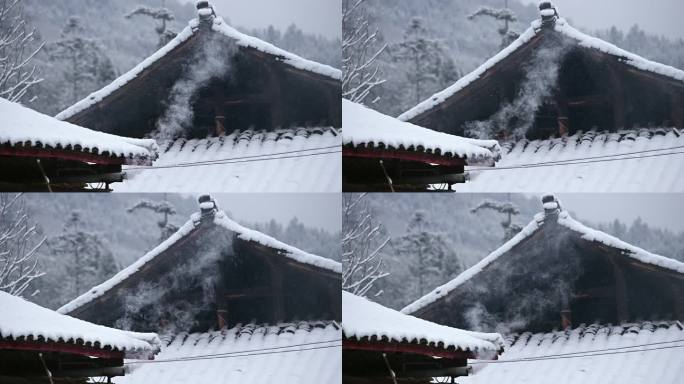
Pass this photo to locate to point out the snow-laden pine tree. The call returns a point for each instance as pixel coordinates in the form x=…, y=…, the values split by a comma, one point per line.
x=504, y=14
x=163, y=208
x=360, y=51
x=19, y=245
x=426, y=64
x=84, y=62
x=83, y=254
x=19, y=45
x=431, y=259
x=162, y=16
x=508, y=209
x=363, y=240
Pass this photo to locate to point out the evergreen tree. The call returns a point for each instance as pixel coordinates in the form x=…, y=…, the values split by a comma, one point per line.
x=162, y=15
x=508, y=209
x=86, y=66
x=500, y=14
x=427, y=66
x=165, y=209
x=431, y=259
x=86, y=259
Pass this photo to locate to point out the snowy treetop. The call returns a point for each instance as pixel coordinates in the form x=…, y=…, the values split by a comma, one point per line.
x=22, y=319
x=220, y=219
x=191, y=30
x=363, y=318
x=561, y=26
x=21, y=125
x=564, y=219
x=364, y=126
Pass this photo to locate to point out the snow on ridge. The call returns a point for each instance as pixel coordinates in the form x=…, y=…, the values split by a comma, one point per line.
x=21, y=124
x=219, y=26
x=221, y=219
x=466, y=275
x=26, y=319
x=362, y=125
x=364, y=318
x=629, y=250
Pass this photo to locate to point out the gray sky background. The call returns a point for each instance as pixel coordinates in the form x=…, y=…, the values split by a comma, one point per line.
x=657, y=210
x=321, y=210
x=654, y=16
x=322, y=17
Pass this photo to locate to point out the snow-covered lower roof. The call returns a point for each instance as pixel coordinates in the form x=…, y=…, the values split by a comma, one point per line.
x=563, y=219
x=561, y=26
x=638, y=160
x=362, y=126
x=22, y=320
x=640, y=353
x=286, y=160
x=364, y=319
x=220, y=219
x=28, y=128
x=220, y=26
x=302, y=353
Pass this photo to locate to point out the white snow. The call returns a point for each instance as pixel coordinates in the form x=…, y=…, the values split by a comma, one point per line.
x=561, y=26
x=661, y=363
x=363, y=126
x=22, y=319
x=363, y=318
x=547, y=12
x=551, y=205
x=281, y=353
x=289, y=160
x=219, y=25
x=563, y=219
x=23, y=125
x=220, y=219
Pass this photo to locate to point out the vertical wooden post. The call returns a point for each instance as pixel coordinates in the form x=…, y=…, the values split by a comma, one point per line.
x=617, y=94
x=275, y=95
x=563, y=116
x=277, y=292
x=621, y=304
x=677, y=111
x=678, y=295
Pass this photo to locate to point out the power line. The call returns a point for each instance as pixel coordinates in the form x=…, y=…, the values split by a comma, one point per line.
x=266, y=351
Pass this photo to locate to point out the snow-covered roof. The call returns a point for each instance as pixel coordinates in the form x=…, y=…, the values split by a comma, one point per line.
x=638, y=160
x=364, y=319
x=220, y=219
x=22, y=320
x=302, y=353
x=563, y=219
x=220, y=26
x=286, y=160
x=640, y=353
x=21, y=126
x=562, y=27
x=362, y=126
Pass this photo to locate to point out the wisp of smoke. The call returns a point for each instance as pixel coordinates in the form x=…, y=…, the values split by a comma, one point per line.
x=539, y=82
x=211, y=61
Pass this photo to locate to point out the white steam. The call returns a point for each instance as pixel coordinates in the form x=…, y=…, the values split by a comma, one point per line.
x=539, y=83
x=213, y=60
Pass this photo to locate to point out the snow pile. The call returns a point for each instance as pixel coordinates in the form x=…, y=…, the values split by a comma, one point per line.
x=21, y=125
x=593, y=354
x=302, y=353
x=220, y=26
x=365, y=319
x=284, y=160
x=364, y=126
x=21, y=319
x=220, y=219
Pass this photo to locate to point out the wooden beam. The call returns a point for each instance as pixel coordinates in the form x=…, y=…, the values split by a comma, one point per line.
x=83, y=350
x=246, y=293
x=62, y=154
x=677, y=111
x=621, y=304
x=421, y=157
x=418, y=349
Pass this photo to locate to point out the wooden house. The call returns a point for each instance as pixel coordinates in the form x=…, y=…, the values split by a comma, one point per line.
x=595, y=102
x=560, y=288
x=381, y=345
x=381, y=153
x=39, y=153
x=251, y=115
x=38, y=346
x=215, y=287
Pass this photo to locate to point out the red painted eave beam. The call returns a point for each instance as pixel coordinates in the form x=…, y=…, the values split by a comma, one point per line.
x=405, y=348
x=62, y=348
x=62, y=155
x=421, y=157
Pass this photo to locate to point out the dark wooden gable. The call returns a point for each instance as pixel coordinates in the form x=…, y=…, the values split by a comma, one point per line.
x=258, y=90
x=595, y=90
x=554, y=278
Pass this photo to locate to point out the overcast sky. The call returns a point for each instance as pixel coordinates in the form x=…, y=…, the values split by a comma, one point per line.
x=318, y=210
x=655, y=16
x=660, y=210
x=322, y=17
